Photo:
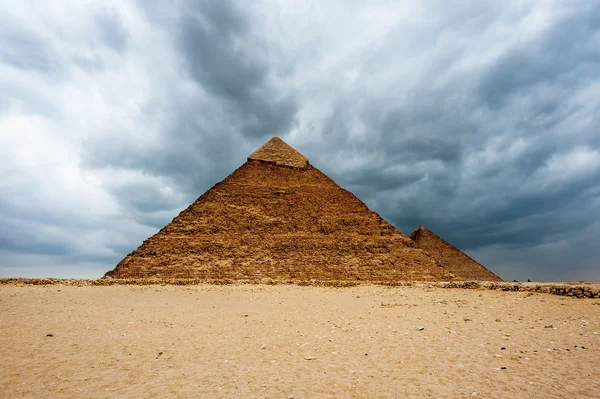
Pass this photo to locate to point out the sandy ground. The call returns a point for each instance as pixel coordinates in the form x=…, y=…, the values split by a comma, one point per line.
x=290, y=341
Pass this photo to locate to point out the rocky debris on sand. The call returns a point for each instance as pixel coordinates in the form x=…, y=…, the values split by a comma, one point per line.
x=562, y=289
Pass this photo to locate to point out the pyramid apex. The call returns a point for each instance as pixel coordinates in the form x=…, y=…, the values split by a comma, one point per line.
x=418, y=231
x=280, y=153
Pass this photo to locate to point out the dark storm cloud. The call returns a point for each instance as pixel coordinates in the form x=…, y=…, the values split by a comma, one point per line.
x=227, y=59
x=560, y=57
x=410, y=133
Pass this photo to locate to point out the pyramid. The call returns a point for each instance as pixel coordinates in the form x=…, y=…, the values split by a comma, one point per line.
x=278, y=217
x=457, y=262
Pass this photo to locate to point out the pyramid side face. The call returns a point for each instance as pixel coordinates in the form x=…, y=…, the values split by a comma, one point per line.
x=457, y=262
x=269, y=221
x=278, y=152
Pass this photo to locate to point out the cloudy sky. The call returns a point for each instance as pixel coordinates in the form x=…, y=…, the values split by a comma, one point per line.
x=477, y=119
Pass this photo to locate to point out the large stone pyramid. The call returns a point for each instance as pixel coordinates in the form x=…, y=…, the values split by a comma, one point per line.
x=279, y=217
x=457, y=262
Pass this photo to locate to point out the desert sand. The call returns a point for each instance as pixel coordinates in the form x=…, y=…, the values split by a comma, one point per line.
x=283, y=341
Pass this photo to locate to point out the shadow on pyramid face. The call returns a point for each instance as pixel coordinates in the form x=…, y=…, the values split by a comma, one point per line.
x=277, y=217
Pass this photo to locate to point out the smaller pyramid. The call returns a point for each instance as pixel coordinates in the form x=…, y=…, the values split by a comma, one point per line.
x=454, y=260
x=278, y=152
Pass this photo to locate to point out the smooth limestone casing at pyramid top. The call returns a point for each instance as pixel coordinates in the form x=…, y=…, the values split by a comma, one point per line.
x=278, y=217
